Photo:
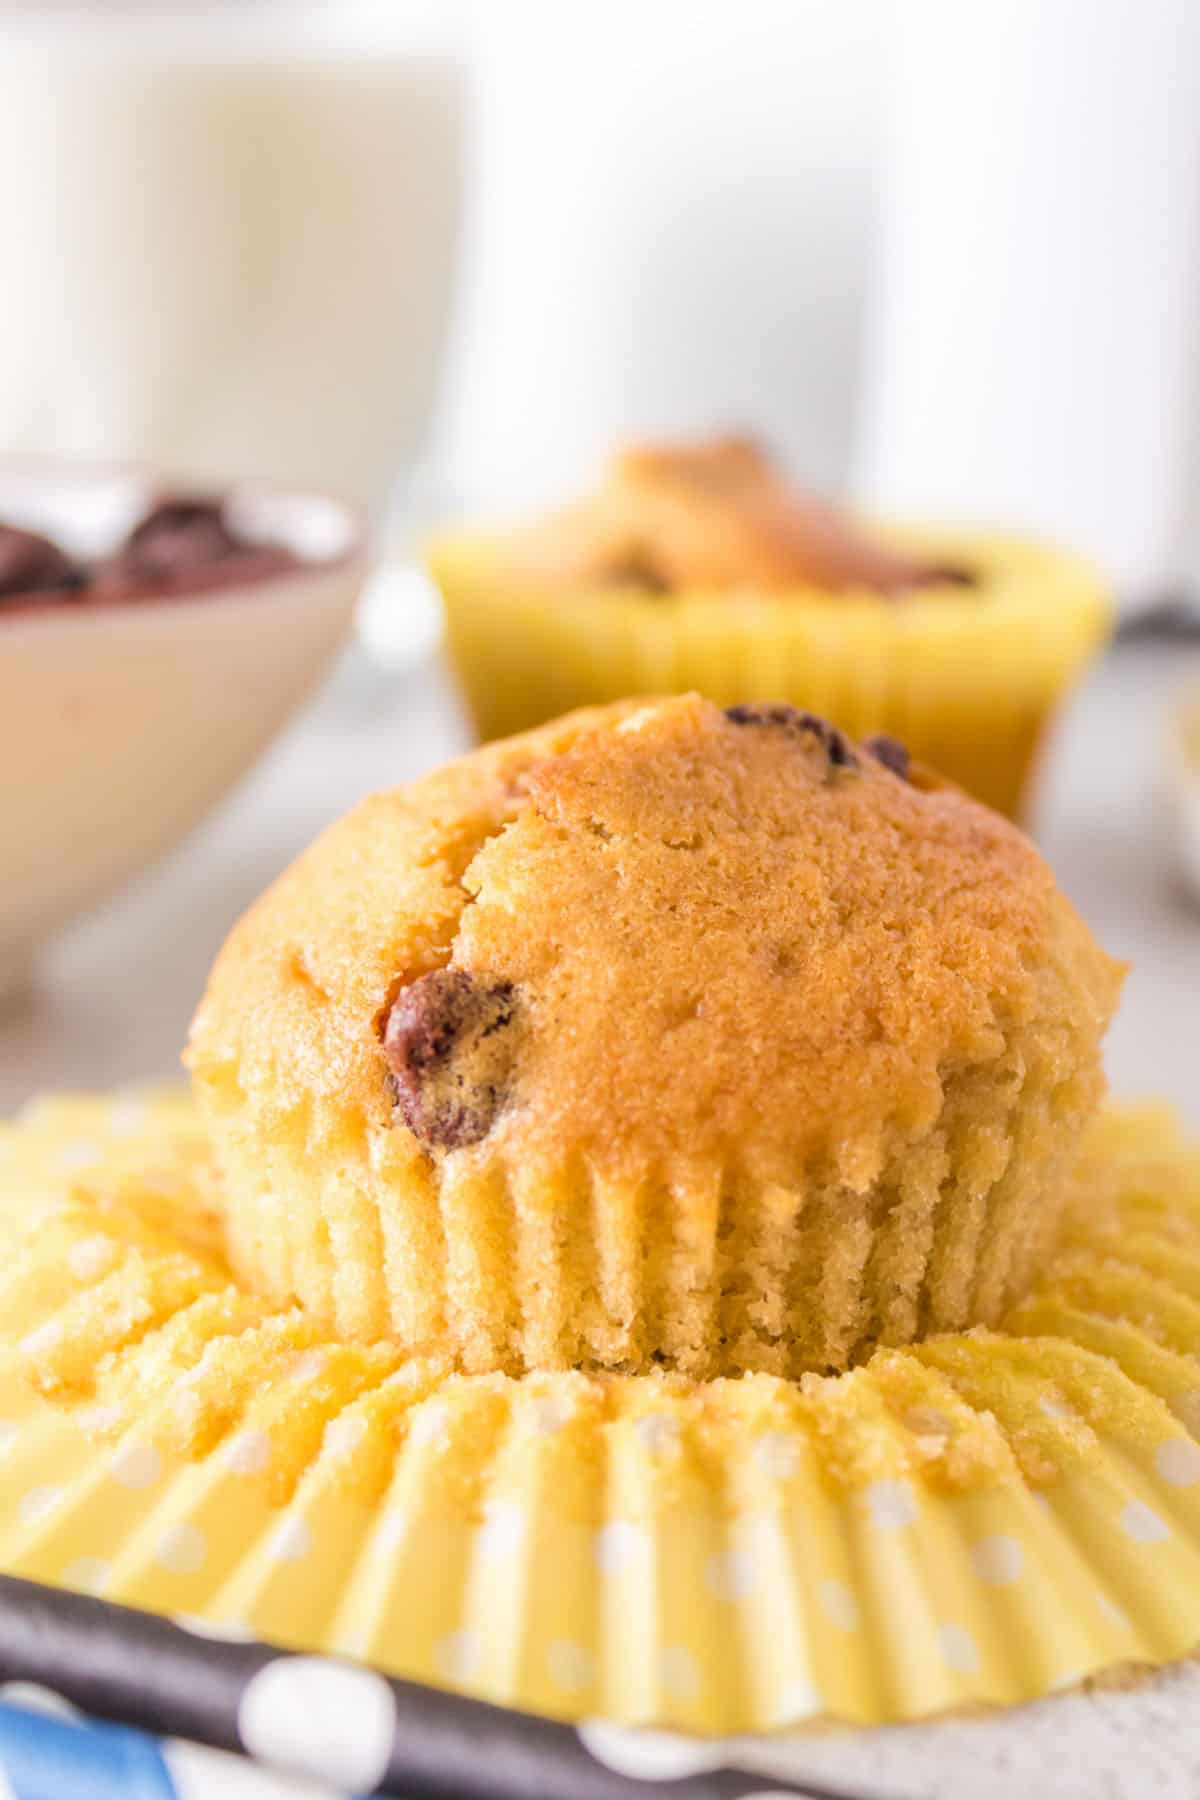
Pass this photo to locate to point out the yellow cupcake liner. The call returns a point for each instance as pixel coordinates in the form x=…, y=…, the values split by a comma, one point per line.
x=968, y=680
x=981, y=1518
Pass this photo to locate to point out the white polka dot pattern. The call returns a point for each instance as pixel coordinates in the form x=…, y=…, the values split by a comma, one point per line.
x=430, y=1425
x=778, y=1453
x=391, y=1530
x=571, y=1666
x=33, y=1697
x=891, y=1505
x=322, y=1718
x=731, y=1574
x=309, y=1365
x=552, y=1412
x=839, y=1605
x=343, y=1435
x=1178, y=1462
x=658, y=1433
x=771, y=1794
x=219, y=1631
x=136, y=1466
x=458, y=1655
x=36, y=1503
x=620, y=1545
x=1143, y=1524
x=502, y=1534
x=183, y=1549
x=678, y=1672
x=1116, y=1615
x=998, y=1560
x=799, y=1700
x=649, y=1755
x=958, y=1647
x=291, y=1541
x=248, y=1452
x=88, y=1574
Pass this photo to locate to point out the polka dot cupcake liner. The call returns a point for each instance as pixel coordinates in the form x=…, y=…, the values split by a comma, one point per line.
x=983, y=1517
x=968, y=680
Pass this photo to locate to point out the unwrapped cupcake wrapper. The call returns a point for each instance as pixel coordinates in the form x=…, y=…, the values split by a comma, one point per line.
x=983, y=1517
x=968, y=680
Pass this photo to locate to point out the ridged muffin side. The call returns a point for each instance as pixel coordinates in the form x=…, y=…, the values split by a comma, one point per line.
x=660, y=1036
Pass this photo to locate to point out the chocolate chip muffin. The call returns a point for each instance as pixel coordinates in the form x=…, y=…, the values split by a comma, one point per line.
x=663, y=1035
x=705, y=566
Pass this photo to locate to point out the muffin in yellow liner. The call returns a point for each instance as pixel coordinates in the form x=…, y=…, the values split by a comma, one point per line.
x=979, y=1518
x=664, y=1037
x=698, y=569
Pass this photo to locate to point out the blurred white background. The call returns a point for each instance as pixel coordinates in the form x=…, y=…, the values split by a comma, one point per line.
x=945, y=256
x=668, y=226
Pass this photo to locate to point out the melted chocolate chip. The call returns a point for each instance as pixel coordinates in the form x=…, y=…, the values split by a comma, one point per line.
x=835, y=744
x=30, y=564
x=448, y=1057
x=890, y=752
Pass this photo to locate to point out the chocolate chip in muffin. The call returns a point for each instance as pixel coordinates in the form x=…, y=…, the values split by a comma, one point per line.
x=30, y=564
x=449, y=1055
x=636, y=566
x=835, y=744
x=951, y=575
x=890, y=752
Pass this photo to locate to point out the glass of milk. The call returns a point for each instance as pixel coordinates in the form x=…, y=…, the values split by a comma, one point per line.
x=229, y=235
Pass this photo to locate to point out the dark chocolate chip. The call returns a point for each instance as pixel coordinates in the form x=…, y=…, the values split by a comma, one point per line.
x=790, y=718
x=635, y=566
x=176, y=534
x=448, y=1056
x=951, y=575
x=30, y=564
x=182, y=541
x=890, y=752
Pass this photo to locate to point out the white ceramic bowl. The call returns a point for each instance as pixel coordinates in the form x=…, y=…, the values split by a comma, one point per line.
x=122, y=724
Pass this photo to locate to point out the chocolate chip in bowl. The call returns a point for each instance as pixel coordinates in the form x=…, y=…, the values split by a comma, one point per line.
x=184, y=542
x=32, y=564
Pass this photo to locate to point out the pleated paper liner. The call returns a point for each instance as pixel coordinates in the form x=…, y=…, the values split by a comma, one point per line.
x=979, y=1519
x=968, y=679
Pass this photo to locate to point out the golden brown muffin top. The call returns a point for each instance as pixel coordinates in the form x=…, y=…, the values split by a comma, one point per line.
x=716, y=515
x=652, y=934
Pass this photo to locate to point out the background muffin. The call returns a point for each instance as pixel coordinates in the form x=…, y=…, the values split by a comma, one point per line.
x=660, y=1036
x=702, y=568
